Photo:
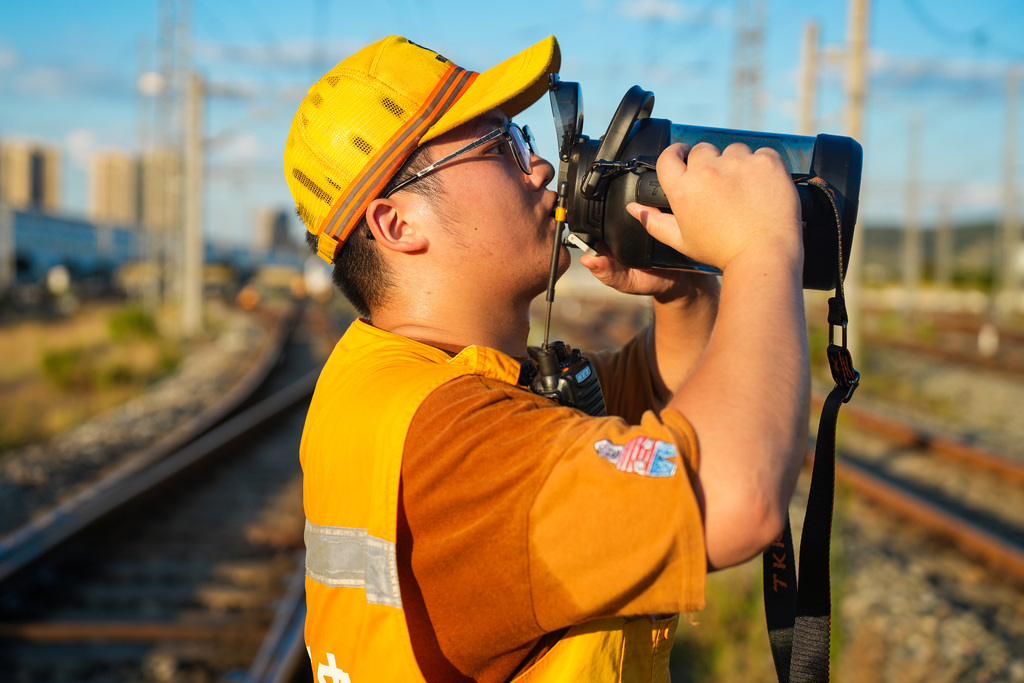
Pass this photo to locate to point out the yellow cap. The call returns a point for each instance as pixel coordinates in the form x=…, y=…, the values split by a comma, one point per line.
x=359, y=123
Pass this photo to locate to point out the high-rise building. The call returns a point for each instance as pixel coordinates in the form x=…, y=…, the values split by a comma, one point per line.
x=129, y=189
x=115, y=189
x=29, y=175
x=271, y=232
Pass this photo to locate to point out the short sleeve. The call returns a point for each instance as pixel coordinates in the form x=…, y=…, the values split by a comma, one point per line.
x=526, y=517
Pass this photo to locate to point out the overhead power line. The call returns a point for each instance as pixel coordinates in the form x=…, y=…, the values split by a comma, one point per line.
x=978, y=37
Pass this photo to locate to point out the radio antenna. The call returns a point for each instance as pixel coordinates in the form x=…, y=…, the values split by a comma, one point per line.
x=556, y=240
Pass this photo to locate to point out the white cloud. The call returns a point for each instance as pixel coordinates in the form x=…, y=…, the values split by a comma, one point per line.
x=8, y=57
x=46, y=81
x=661, y=10
x=964, y=78
x=292, y=54
x=58, y=78
x=671, y=11
x=241, y=148
x=976, y=196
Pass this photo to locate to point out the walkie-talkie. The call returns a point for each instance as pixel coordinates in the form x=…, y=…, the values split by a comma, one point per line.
x=563, y=374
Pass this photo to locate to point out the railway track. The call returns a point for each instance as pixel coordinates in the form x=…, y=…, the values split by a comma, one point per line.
x=966, y=494
x=946, y=486
x=187, y=567
x=970, y=340
x=190, y=568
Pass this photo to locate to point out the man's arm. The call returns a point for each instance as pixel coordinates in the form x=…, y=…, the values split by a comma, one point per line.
x=685, y=305
x=678, y=339
x=747, y=398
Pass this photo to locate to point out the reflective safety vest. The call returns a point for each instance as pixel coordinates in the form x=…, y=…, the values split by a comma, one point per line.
x=351, y=453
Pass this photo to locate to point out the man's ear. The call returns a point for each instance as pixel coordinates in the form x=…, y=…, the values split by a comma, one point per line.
x=394, y=225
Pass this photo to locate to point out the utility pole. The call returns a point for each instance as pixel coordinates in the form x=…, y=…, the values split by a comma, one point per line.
x=750, y=17
x=808, y=80
x=944, y=244
x=856, y=95
x=190, y=286
x=192, y=244
x=7, y=263
x=912, y=229
x=1007, y=303
x=161, y=165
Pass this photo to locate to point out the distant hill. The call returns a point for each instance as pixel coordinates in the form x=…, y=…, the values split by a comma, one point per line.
x=972, y=252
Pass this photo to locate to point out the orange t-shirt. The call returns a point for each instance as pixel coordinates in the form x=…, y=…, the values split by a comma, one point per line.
x=521, y=518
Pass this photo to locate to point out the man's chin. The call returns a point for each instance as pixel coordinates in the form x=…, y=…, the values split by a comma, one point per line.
x=564, y=260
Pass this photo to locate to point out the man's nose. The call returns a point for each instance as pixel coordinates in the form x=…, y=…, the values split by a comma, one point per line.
x=542, y=171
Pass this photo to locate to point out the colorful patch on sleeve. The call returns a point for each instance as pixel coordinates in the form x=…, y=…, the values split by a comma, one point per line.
x=640, y=455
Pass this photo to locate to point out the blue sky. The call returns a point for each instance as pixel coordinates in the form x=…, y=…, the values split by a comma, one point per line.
x=69, y=72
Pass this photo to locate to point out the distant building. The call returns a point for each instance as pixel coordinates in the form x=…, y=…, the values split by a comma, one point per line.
x=272, y=232
x=29, y=175
x=129, y=189
x=115, y=189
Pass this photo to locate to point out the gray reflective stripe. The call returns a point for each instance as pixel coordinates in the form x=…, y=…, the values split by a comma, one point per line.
x=338, y=556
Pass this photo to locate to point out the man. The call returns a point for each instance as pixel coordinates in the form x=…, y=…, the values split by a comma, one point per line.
x=460, y=527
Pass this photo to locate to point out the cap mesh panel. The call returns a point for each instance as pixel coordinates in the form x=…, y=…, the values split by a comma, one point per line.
x=333, y=136
x=348, y=117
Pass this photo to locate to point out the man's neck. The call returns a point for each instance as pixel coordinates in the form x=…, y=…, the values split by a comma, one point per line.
x=505, y=330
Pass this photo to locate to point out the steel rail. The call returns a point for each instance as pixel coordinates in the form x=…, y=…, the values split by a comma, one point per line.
x=25, y=549
x=947, y=445
x=283, y=649
x=963, y=357
x=39, y=536
x=962, y=323
x=282, y=653
x=997, y=552
x=990, y=548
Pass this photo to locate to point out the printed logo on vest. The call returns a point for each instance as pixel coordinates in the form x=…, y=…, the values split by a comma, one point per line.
x=640, y=455
x=329, y=670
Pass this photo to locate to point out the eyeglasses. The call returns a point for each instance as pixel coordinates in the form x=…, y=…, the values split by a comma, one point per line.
x=519, y=140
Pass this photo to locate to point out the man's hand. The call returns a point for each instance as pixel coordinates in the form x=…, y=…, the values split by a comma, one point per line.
x=725, y=204
x=663, y=285
x=747, y=397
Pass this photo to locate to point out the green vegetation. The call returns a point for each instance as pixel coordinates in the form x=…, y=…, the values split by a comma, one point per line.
x=728, y=642
x=58, y=373
x=132, y=321
x=133, y=354
x=68, y=368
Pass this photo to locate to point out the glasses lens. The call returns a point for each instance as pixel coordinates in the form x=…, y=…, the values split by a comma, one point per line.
x=521, y=147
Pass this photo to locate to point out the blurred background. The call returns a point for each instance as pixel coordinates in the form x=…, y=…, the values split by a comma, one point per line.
x=929, y=88
x=95, y=104
x=145, y=221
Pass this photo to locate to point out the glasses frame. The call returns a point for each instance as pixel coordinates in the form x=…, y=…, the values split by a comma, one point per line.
x=502, y=132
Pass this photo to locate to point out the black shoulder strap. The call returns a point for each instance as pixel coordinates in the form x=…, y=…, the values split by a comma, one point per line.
x=799, y=618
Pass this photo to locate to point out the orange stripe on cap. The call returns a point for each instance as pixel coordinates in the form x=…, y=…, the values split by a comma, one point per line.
x=348, y=209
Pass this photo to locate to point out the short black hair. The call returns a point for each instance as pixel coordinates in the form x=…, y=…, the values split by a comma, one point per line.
x=360, y=272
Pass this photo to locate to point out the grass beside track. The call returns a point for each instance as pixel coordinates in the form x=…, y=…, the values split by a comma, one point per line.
x=60, y=371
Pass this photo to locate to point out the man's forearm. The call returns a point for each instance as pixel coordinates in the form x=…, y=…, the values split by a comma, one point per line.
x=682, y=326
x=747, y=401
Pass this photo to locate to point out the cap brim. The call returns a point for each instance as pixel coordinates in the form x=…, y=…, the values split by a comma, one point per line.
x=513, y=85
